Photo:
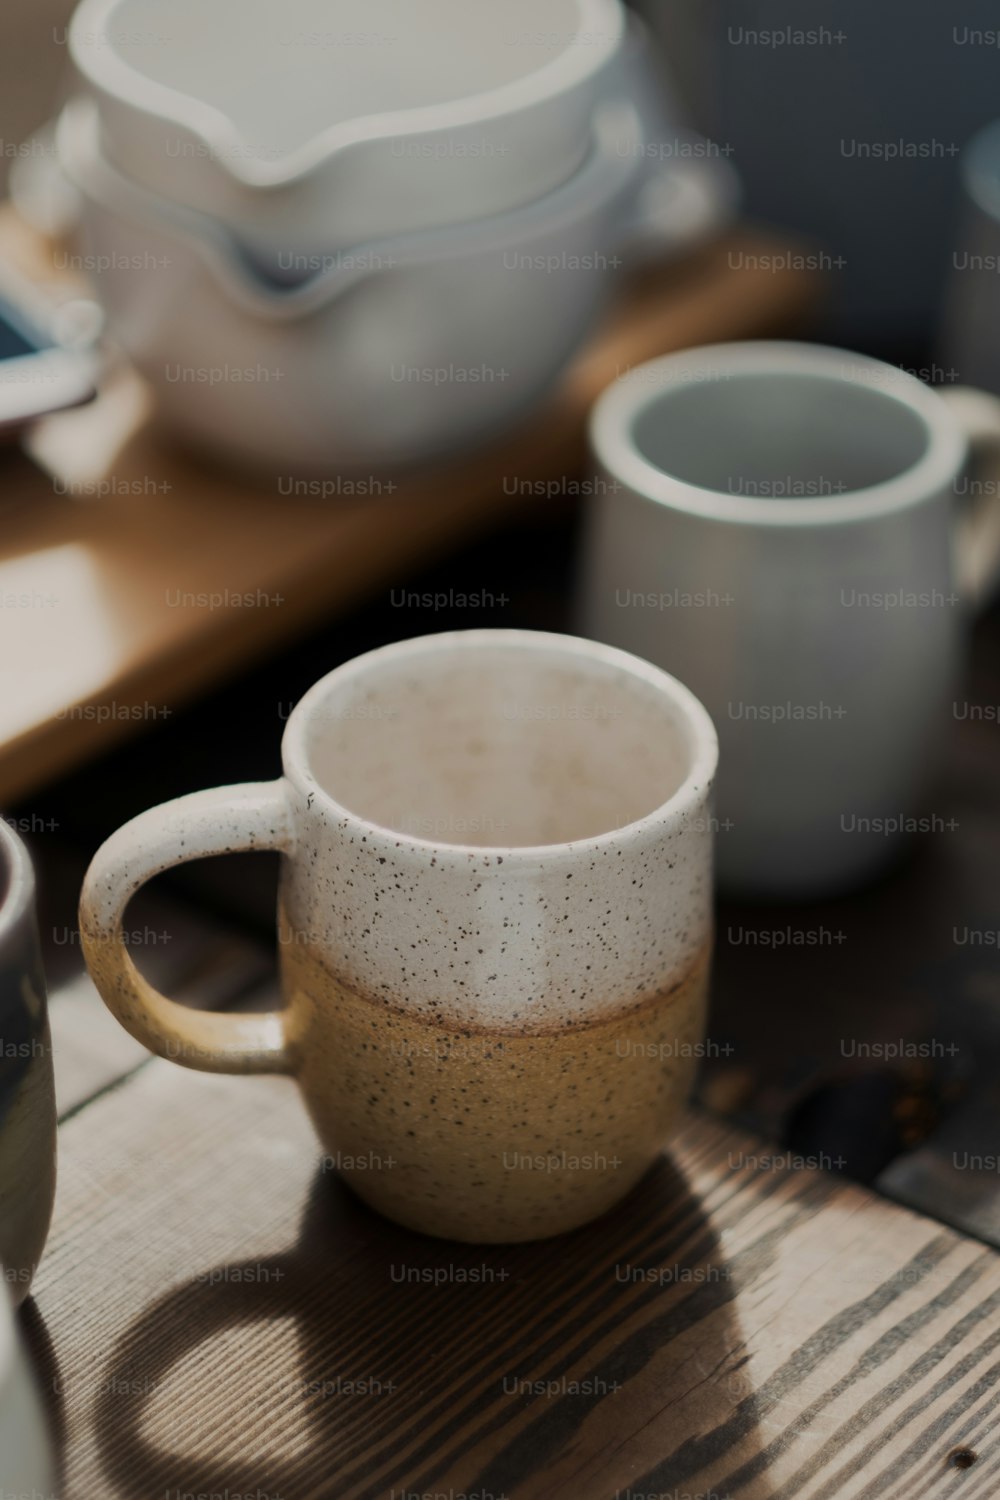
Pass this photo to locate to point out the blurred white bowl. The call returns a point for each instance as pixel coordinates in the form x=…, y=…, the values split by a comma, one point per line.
x=315, y=125
x=400, y=350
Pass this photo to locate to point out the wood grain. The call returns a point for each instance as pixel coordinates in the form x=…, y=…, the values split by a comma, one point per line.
x=217, y=1313
x=106, y=647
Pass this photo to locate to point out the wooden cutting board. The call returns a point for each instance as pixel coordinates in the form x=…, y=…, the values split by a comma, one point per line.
x=132, y=576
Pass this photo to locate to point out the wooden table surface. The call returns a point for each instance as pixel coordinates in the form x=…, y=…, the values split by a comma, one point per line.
x=218, y=1315
x=149, y=593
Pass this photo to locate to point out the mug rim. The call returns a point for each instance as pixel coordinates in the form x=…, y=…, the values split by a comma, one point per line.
x=682, y=803
x=110, y=73
x=614, y=414
x=15, y=905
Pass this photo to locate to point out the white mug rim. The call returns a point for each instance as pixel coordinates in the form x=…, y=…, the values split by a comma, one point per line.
x=661, y=820
x=616, y=411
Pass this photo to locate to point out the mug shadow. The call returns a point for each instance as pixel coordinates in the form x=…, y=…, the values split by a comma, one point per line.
x=641, y=1299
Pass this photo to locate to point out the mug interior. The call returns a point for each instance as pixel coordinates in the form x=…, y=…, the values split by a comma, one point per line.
x=498, y=744
x=283, y=74
x=779, y=434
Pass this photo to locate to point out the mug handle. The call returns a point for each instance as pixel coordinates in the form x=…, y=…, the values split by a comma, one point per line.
x=977, y=543
x=224, y=820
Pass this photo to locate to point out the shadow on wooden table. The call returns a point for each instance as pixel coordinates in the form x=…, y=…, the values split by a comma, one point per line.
x=608, y=1360
x=46, y=1366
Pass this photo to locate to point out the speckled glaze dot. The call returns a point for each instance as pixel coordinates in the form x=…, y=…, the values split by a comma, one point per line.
x=494, y=924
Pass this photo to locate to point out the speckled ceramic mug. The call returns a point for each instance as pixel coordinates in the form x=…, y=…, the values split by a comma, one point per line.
x=494, y=924
x=27, y=1090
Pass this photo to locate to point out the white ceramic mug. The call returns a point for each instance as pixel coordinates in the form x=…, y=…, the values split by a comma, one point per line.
x=494, y=923
x=778, y=526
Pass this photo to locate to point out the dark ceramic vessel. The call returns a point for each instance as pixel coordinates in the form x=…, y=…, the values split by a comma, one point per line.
x=27, y=1093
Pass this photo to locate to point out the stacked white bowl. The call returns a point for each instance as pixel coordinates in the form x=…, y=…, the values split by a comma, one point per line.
x=358, y=233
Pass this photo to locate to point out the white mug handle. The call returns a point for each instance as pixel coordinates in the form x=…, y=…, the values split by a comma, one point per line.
x=977, y=543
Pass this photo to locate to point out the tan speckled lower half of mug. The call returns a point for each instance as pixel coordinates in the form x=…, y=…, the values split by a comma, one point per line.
x=486, y=1134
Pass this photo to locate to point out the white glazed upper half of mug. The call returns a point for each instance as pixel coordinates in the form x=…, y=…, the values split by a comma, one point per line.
x=939, y=449
x=419, y=778
x=121, y=46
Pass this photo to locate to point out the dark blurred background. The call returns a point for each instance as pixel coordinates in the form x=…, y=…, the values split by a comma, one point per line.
x=878, y=73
